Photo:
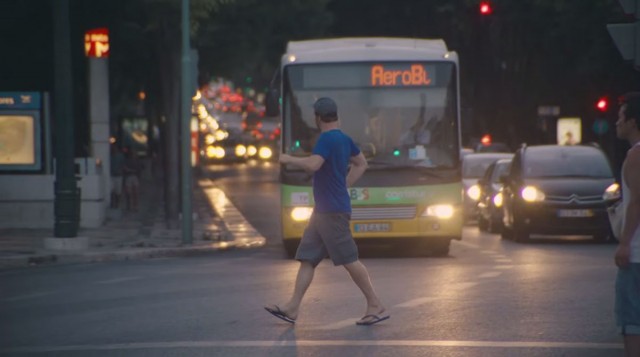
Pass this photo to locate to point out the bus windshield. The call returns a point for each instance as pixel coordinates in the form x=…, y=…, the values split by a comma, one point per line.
x=400, y=114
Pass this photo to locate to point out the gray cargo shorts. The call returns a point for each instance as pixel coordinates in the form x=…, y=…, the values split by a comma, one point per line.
x=328, y=234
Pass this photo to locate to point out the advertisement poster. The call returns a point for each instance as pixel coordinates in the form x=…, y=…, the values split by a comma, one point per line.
x=17, y=140
x=569, y=131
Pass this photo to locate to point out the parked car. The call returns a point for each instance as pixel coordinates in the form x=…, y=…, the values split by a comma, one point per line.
x=558, y=190
x=490, y=202
x=473, y=167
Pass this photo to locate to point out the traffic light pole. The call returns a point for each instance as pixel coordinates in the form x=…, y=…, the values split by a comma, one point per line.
x=67, y=195
x=185, y=128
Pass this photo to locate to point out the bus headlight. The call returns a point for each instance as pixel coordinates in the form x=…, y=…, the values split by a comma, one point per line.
x=265, y=153
x=439, y=211
x=474, y=192
x=532, y=194
x=301, y=213
x=497, y=199
x=251, y=150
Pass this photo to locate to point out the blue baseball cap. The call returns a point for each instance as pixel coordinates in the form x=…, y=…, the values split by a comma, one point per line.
x=325, y=107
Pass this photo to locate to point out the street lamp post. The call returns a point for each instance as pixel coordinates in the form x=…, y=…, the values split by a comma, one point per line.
x=185, y=128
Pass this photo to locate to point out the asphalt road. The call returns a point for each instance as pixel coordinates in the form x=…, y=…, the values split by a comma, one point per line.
x=553, y=297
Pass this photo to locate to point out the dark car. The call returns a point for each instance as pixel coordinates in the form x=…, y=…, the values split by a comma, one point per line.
x=473, y=167
x=558, y=190
x=490, y=202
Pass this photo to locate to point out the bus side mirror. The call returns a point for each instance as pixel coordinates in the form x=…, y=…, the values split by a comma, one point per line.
x=272, y=103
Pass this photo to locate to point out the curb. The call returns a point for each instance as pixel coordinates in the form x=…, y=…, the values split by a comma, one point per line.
x=49, y=258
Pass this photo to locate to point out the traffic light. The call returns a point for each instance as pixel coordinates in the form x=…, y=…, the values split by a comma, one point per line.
x=602, y=104
x=485, y=8
x=627, y=36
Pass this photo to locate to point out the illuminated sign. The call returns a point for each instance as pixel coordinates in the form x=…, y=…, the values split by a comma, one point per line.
x=19, y=100
x=96, y=43
x=416, y=75
x=370, y=75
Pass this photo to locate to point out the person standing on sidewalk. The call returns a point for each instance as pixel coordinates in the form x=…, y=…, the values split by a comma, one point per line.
x=328, y=231
x=627, y=256
x=131, y=172
x=117, y=164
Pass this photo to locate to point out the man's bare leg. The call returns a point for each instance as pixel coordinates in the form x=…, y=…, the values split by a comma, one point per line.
x=303, y=280
x=360, y=276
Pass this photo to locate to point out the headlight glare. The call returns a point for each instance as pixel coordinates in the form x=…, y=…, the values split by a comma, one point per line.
x=442, y=211
x=532, y=194
x=612, y=192
x=474, y=192
x=497, y=199
x=301, y=213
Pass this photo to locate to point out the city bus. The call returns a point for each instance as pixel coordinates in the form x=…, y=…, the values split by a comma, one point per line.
x=399, y=99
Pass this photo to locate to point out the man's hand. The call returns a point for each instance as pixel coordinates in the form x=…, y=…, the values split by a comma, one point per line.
x=622, y=255
x=285, y=159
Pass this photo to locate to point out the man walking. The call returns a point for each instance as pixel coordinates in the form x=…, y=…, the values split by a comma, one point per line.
x=627, y=256
x=328, y=231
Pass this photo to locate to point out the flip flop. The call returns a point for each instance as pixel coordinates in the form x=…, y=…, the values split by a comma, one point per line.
x=279, y=314
x=375, y=320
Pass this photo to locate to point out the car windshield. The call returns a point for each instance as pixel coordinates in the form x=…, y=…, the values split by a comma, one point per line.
x=474, y=166
x=567, y=162
x=502, y=168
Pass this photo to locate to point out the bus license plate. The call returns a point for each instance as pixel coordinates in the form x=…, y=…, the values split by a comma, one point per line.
x=371, y=227
x=575, y=213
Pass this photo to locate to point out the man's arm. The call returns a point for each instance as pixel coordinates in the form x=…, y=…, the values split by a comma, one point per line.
x=309, y=163
x=358, y=166
x=631, y=174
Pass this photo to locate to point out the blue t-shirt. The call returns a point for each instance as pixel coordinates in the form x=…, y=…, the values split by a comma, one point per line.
x=330, y=181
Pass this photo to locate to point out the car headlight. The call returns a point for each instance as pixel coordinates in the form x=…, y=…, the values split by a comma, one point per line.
x=532, y=194
x=251, y=150
x=301, y=213
x=612, y=192
x=442, y=211
x=497, y=199
x=265, y=152
x=241, y=150
x=474, y=192
x=219, y=152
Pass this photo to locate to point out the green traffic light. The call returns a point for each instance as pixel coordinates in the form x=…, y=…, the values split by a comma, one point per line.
x=396, y=152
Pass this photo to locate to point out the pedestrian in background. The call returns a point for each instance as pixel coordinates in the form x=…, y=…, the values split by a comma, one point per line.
x=131, y=178
x=117, y=164
x=627, y=256
x=328, y=231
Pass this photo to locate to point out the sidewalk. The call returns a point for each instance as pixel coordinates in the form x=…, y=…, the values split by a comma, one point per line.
x=217, y=225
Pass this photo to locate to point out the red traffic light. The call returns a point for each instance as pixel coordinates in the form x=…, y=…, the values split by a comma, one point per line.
x=603, y=104
x=485, y=8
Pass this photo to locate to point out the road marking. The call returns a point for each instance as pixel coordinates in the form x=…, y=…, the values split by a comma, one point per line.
x=416, y=302
x=28, y=296
x=469, y=245
x=491, y=274
x=338, y=325
x=503, y=260
x=318, y=343
x=118, y=280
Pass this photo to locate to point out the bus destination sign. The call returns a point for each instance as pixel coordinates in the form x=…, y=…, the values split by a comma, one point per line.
x=415, y=75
